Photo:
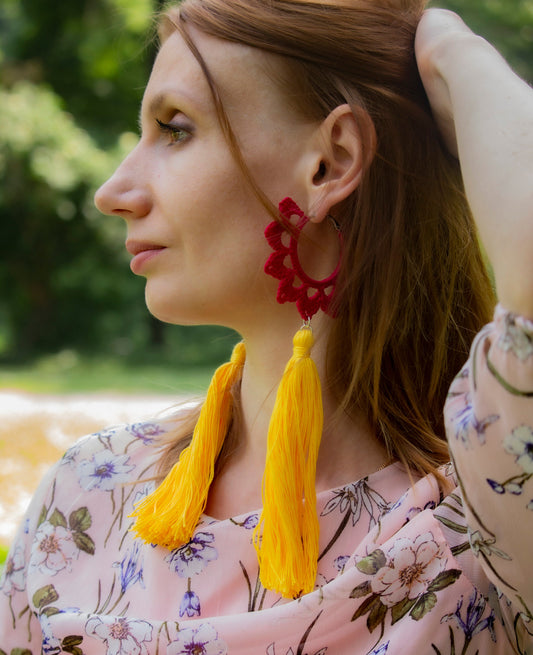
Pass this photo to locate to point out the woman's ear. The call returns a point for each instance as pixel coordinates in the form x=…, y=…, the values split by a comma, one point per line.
x=345, y=142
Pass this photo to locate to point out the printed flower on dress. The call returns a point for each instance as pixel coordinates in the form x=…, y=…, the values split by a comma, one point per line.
x=69, y=458
x=520, y=444
x=121, y=636
x=13, y=578
x=43, y=600
x=403, y=581
x=340, y=562
x=516, y=339
x=103, y=436
x=466, y=422
x=131, y=569
x=108, y=432
x=485, y=546
x=103, y=471
x=50, y=643
x=351, y=499
x=249, y=522
x=476, y=619
x=192, y=558
x=200, y=641
x=145, y=431
x=53, y=549
x=190, y=604
x=380, y=650
x=414, y=511
x=410, y=568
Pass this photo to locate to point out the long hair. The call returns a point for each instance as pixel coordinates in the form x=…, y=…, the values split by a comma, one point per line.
x=413, y=288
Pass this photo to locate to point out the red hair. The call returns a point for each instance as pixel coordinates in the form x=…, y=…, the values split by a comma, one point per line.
x=413, y=287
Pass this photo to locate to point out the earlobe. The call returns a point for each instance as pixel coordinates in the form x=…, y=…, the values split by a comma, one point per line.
x=346, y=143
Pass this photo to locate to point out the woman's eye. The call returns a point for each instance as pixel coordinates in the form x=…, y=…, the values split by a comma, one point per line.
x=176, y=133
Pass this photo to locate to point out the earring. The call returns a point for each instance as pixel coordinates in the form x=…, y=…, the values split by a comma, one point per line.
x=286, y=536
x=307, y=305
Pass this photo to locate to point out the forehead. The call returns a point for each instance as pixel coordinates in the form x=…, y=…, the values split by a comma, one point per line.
x=244, y=76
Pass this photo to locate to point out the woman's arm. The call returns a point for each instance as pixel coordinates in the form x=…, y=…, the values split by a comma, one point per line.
x=485, y=113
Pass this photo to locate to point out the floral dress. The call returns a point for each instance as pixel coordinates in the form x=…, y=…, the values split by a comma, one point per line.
x=403, y=567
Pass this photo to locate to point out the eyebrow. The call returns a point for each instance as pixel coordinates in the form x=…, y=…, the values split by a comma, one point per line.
x=157, y=102
x=160, y=99
x=153, y=108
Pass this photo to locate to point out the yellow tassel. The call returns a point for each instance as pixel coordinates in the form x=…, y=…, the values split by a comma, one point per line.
x=170, y=514
x=286, y=537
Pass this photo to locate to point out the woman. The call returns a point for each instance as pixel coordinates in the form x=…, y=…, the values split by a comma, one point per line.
x=313, y=115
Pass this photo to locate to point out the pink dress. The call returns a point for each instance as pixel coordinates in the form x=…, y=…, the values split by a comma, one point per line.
x=402, y=568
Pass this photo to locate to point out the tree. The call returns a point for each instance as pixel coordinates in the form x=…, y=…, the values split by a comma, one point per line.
x=508, y=24
x=71, y=84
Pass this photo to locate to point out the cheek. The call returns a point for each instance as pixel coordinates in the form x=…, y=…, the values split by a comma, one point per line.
x=227, y=223
x=273, y=154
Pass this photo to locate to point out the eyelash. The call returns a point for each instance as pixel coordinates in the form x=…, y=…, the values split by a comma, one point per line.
x=176, y=133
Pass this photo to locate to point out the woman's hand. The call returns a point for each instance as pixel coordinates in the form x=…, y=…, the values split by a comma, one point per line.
x=438, y=31
x=485, y=114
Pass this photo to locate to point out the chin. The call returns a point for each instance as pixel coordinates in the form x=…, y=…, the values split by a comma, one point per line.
x=167, y=312
x=176, y=310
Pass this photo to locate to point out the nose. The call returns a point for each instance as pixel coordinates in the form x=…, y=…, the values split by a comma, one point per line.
x=125, y=193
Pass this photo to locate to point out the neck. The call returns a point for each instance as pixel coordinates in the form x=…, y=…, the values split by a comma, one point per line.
x=348, y=448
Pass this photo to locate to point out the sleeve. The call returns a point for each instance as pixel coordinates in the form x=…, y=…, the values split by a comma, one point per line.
x=489, y=422
x=19, y=628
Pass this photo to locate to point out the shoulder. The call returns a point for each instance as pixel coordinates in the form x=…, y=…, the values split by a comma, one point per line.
x=111, y=458
x=118, y=453
x=102, y=475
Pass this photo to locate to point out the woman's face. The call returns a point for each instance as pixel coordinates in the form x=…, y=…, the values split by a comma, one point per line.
x=193, y=225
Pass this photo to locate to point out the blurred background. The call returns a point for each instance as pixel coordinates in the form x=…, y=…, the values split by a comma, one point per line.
x=78, y=349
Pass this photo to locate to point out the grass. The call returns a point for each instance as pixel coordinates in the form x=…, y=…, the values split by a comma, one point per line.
x=68, y=372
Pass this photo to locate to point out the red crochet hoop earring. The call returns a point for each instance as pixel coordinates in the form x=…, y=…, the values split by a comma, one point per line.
x=307, y=305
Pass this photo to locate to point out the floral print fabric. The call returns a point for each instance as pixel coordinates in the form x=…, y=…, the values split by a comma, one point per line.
x=403, y=568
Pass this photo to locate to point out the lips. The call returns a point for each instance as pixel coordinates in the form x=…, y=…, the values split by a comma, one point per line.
x=143, y=252
x=136, y=247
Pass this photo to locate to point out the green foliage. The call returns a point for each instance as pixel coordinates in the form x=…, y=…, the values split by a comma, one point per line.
x=508, y=24
x=95, y=54
x=35, y=128
x=51, y=168
x=71, y=80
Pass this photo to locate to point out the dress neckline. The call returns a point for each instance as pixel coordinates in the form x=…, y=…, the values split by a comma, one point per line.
x=241, y=518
